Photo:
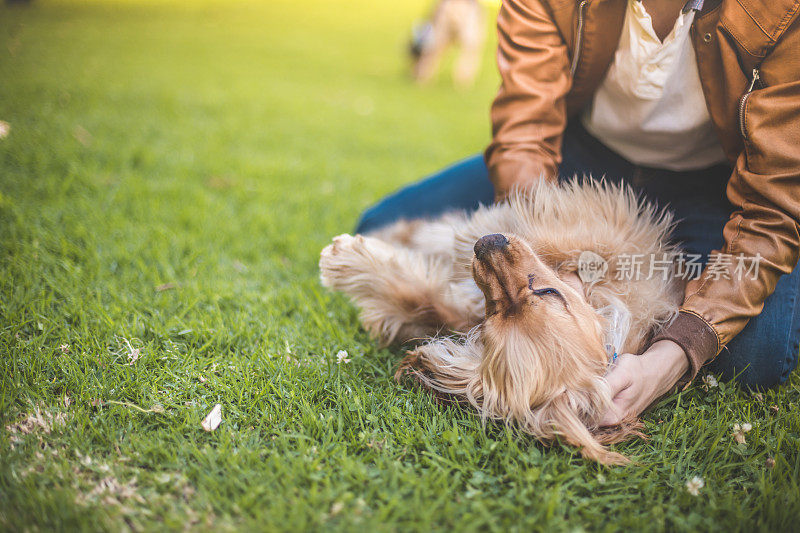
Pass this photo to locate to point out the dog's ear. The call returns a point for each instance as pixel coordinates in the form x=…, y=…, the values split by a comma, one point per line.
x=451, y=370
x=625, y=430
x=448, y=368
x=568, y=424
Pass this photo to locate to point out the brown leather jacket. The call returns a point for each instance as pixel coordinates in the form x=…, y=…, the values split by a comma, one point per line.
x=552, y=56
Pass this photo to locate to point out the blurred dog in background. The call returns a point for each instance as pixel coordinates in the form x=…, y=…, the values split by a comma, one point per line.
x=454, y=22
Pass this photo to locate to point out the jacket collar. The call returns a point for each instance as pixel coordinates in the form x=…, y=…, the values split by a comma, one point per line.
x=756, y=25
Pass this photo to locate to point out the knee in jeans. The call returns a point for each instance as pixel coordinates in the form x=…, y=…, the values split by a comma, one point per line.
x=758, y=379
x=763, y=367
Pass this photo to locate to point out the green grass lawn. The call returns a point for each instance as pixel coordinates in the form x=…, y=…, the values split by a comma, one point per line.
x=171, y=173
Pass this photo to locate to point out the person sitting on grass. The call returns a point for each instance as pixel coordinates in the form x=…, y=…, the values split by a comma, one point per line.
x=697, y=106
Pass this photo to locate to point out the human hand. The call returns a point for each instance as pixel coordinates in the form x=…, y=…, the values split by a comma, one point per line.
x=636, y=381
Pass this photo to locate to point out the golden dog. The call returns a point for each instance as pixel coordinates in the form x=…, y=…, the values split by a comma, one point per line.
x=454, y=22
x=510, y=318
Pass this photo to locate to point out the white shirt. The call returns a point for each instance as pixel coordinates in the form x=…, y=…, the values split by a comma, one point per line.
x=650, y=107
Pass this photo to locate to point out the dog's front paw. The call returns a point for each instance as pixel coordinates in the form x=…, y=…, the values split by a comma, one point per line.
x=338, y=260
x=353, y=259
x=344, y=243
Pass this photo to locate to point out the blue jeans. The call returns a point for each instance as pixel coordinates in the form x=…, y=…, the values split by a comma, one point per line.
x=766, y=351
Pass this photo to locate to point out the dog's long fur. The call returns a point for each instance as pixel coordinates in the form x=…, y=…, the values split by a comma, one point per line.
x=512, y=332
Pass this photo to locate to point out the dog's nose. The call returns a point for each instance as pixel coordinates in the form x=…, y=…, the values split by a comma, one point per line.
x=490, y=243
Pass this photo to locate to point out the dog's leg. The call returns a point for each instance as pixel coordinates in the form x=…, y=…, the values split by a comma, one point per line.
x=470, y=31
x=402, y=295
x=466, y=67
x=424, y=237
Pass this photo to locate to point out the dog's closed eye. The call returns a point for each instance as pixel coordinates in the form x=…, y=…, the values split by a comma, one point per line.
x=545, y=291
x=548, y=290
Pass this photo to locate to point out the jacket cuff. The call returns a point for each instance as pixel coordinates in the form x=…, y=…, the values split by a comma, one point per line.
x=509, y=170
x=697, y=338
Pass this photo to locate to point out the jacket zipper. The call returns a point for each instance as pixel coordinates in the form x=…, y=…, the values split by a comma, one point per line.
x=576, y=52
x=743, y=101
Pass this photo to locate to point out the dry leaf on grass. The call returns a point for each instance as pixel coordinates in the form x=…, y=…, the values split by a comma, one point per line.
x=38, y=420
x=213, y=419
x=110, y=491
